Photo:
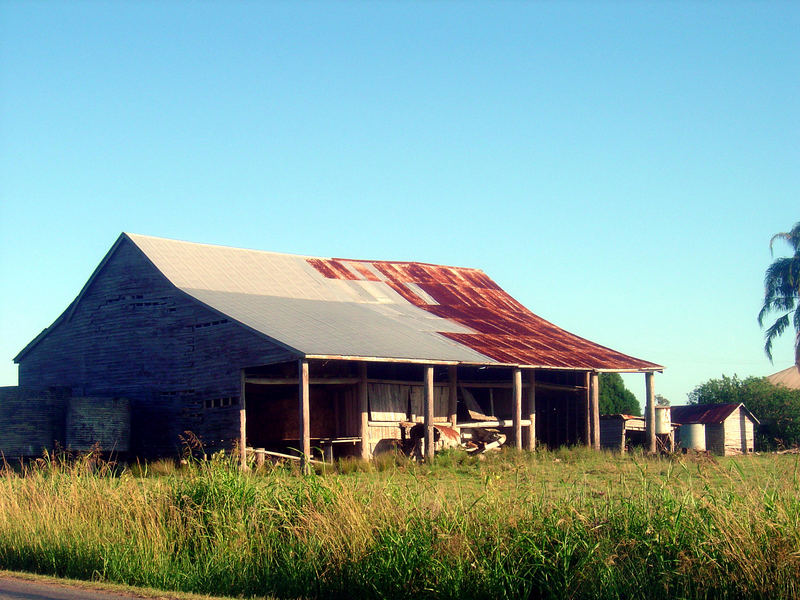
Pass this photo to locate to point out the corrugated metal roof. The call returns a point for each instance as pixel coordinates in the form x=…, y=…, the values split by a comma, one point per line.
x=706, y=413
x=789, y=378
x=378, y=309
x=500, y=327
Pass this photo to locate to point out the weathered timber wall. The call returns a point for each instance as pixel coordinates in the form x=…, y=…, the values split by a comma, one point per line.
x=134, y=335
x=715, y=438
x=739, y=433
x=98, y=421
x=612, y=433
x=31, y=421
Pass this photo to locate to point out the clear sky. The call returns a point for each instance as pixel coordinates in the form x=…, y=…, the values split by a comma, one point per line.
x=618, y=167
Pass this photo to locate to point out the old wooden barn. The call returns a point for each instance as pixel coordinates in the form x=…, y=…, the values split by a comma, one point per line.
x=260, y=349
x=729, y=428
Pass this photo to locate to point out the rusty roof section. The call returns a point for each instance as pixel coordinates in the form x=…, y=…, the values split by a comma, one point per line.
x=504, y=329
x=706, y=413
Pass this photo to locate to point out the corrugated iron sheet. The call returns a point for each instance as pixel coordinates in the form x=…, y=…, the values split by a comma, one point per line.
x=789, y=378
x=503, y=329
x=406, y=310
x=702, y=413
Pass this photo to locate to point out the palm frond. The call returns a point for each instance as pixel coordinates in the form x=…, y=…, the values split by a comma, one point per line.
x=776, y=304
x=791, y=237
x=774, y=331
x=782, y=291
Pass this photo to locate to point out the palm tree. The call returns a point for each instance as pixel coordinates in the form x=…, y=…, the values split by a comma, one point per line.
x=782, y=292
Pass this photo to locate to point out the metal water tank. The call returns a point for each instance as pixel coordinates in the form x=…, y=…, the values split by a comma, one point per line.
x=663, y=419
x=693, y=436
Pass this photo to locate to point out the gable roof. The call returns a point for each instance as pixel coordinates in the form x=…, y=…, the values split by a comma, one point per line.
x=789, y=378
x=323, y=307
x=707, y=413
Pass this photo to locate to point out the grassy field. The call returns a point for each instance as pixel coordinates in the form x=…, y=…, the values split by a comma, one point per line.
x=564, y=524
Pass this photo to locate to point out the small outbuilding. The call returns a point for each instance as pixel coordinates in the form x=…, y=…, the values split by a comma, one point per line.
x=729, y=428
x=621, y=432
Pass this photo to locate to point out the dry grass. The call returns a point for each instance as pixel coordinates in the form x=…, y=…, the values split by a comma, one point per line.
x=562, y=524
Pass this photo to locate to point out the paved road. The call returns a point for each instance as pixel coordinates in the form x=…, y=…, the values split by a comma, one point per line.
x=12, y=588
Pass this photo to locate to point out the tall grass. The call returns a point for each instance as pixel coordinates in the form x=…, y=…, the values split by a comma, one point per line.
x=561, y=524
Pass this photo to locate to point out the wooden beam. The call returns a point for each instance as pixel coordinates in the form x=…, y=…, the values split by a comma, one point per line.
x=516, y=408
x=242, y=422
x=588, y=420
x=428, y=410
x=408, y=361
x=508, y=385
x=289, y=456
x=496, y=423
x=355, y=380
x=452, y=398
x=650, y=412
x=406, y=382
x=363, y=406
x=531, y=439
x=595, y=410
x=305, y=420
x=295, y=381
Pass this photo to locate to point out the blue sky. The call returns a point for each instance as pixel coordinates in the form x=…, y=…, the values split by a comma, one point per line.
x=617, y=167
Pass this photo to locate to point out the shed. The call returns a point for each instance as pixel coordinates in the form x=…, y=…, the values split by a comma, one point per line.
x=730, y=428
x=621, y=432
x=274, y=350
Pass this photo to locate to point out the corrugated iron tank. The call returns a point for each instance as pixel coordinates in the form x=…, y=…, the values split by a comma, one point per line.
x=693, y=436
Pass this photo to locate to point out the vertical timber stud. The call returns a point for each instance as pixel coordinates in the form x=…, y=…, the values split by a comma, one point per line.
x=588, y=424
x=516, y=408
x=305, y=421
x=363, y=407
x=531, y=439
x=650, y=412
x=428, y=409
x=242, y=423
x=595, y=410
x=452, y=398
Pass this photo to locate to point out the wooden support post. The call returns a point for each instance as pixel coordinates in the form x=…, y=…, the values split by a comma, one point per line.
x=363, y=406
x=595, y=410
x=242, y=423
x=531, y=439
x=452, y=398
x=305, y=420
x=428, y=410
x=516, y=408
x=650, y=412
x=588, y=423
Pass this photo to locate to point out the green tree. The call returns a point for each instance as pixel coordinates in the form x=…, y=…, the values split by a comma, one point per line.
x=782, y=293
x=615, y=398
x=776, y=407
x=662, y=400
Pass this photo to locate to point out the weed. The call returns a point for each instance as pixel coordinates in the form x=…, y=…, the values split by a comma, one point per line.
x=551, y=524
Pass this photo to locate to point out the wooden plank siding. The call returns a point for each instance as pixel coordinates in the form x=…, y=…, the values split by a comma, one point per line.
x=612, y=433
x=31, y=420
x=134, y=335
x=738, y=433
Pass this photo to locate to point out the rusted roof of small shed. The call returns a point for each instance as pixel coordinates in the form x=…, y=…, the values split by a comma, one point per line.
x=706, y=413
x=372, y=309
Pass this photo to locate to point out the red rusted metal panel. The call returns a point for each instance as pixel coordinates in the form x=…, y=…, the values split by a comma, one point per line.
x=505, y=330
x=702, y=413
